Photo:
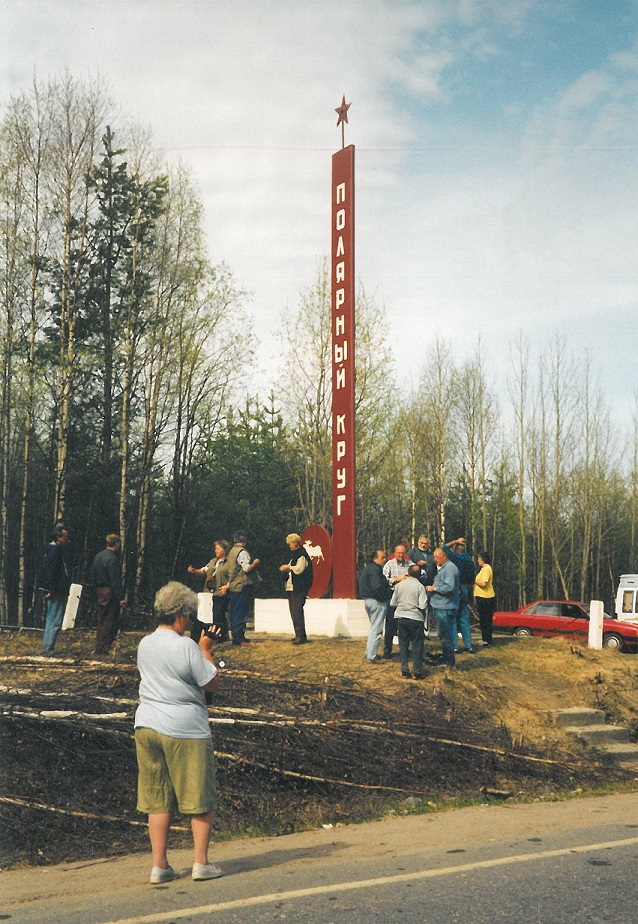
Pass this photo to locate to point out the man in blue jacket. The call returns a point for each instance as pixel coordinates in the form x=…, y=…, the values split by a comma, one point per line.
x=455, y=551
x=444, y=599
x=55, y=582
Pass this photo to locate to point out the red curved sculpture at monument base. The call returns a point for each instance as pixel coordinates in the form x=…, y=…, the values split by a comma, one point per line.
x=318, y=544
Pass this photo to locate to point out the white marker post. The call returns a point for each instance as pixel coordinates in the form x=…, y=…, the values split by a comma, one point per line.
x=205, y=608
x=72, y=604
x=596, y=613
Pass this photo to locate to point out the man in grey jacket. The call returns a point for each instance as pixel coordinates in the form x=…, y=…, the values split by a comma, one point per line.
x=410, y=600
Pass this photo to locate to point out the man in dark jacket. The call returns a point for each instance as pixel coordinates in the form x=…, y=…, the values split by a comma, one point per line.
x=55, y=582
x=375, y=590
x=298, y=584
x=423, y=557
x=106, y=574
x=455, y=551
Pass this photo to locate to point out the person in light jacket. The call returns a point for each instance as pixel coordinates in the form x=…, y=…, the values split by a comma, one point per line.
x=444, y=598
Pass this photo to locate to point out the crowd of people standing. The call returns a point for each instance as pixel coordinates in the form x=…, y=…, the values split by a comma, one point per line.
x=408, y=596
x=417, y=591
x=231, y=576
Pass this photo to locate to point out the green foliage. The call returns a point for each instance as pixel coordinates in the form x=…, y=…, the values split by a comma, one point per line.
x=124, y=367
x=243, y=481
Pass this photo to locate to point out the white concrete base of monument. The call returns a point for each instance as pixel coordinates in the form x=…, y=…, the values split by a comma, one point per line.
x=332, y=618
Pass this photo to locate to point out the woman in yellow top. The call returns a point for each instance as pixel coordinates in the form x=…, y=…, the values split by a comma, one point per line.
x=485, y=597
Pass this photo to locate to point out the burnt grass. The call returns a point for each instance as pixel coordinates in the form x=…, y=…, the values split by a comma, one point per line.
x=296, y=747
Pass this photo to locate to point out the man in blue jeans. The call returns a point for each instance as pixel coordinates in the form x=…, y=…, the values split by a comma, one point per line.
x=55, y=582
x=375, y=590
x=242, y=578
x=444, y=599
x=455, y=551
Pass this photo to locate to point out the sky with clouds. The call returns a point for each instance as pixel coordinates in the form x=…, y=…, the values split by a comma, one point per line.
x=496, y=153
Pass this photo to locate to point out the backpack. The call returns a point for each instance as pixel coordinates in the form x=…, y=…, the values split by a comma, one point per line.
x=467, y=570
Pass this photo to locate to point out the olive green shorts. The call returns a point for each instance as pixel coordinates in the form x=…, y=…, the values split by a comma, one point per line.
x=174, y=773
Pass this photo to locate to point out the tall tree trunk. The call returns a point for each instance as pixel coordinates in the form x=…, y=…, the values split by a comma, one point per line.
x=520, y=414
x=10, y=269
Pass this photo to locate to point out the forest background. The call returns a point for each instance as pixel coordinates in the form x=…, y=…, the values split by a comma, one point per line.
x=127, y=402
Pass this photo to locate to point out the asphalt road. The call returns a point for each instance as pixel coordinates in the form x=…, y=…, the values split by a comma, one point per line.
x=574, y=861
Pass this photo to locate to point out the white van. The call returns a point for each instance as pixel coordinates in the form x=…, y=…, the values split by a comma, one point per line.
x=627, y=598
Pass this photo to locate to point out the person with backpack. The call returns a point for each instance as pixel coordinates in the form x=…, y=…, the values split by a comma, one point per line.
x=298, y=584
x=455, y=551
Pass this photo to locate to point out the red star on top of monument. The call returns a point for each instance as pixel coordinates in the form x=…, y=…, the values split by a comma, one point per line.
x=342, y=111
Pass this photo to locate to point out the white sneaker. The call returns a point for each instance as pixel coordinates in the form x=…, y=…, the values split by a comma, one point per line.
x=159, y=875
x=206, y=871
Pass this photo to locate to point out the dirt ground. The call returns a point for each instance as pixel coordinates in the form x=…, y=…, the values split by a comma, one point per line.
x=303, y=736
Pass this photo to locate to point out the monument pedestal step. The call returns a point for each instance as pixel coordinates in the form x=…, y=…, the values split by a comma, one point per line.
x=328, y=618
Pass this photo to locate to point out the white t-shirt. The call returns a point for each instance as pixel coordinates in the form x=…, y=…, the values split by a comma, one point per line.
x=173, y=671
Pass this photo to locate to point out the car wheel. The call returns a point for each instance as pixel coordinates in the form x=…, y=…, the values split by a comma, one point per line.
x=613, y=641
x=523, y=632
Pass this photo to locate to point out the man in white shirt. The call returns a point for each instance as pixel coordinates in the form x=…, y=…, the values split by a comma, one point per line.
x=410, y=600
x=395, y=571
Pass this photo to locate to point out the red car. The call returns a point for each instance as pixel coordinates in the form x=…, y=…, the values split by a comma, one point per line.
x=548, y=618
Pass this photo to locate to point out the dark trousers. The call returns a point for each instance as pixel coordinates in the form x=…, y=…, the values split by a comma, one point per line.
x=411, y=633
x=486, y=607
x=108, y=619
x=390, y=630
x=296, y=602
x=221, y=606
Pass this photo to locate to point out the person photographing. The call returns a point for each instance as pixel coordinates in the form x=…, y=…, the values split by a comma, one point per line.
x=176, y=764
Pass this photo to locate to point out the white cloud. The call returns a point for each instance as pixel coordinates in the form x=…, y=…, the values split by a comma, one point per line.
x=455, y=234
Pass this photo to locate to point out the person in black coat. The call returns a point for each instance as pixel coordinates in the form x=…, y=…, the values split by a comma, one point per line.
x=298, y=583
x=55, y=582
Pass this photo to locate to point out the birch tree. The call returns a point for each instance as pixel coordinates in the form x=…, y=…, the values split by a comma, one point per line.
x=77, y=115
x=519, y=396
x=440, y=435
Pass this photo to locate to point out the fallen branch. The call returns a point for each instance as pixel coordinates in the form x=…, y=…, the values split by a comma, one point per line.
x=41, y=806
x=61, y=715
x=315, y=779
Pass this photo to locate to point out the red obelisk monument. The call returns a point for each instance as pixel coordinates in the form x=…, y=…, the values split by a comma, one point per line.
x=343, y=614
x=343, y=422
